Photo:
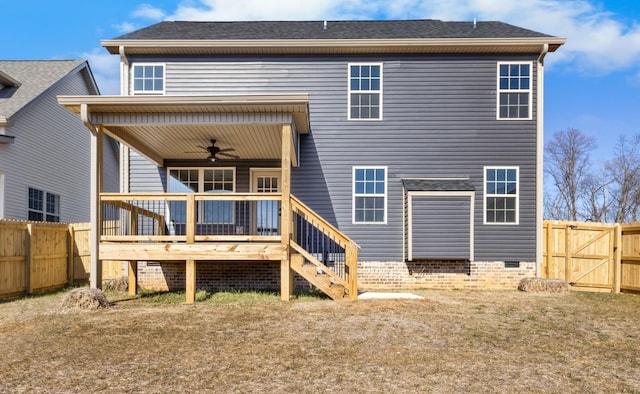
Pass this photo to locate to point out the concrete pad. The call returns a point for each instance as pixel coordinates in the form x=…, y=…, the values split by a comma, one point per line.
x=387, y=296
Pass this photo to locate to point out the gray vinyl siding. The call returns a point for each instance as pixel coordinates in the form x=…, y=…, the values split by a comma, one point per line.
x=440, y=227
x=51, y=152
x=439, y=121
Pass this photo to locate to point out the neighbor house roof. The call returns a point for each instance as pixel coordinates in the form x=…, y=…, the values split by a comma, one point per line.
x=299, y=37
x=26, y=80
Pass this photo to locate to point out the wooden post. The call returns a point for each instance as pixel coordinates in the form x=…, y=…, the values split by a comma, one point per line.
x=190, y=285
x=71, y=255
x=285, y=212
x=567, y=253
x=191, y=218
x=617, y=261
x=546, y=265
x=190, y=274
x=29, y=260
x=352, y=264
x=133, y=277
x=95, y=206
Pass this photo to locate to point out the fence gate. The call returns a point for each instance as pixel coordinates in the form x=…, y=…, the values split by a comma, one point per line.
x=630, y=260
x=582, y=254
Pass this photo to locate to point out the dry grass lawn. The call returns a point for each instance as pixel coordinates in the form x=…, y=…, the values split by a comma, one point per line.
x=453, y=341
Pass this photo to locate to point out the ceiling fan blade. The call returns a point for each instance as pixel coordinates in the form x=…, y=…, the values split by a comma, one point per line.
x=228, y=155
x=226, y=150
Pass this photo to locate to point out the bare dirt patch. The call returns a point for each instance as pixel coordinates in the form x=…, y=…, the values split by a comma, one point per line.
x=453, y=341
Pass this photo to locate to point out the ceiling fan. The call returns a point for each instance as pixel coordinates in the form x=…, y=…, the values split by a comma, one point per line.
x=215, y=151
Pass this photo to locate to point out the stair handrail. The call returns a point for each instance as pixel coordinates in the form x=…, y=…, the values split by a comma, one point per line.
x=322, y=224
x=350, y=246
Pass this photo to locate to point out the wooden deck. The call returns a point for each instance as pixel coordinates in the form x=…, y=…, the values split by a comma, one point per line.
x=246, y=226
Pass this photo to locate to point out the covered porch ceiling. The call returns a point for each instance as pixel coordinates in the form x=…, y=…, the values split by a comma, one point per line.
x=165, y=128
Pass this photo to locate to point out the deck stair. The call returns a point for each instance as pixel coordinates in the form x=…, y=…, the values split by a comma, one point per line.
x=319, y=274
x=322, y=254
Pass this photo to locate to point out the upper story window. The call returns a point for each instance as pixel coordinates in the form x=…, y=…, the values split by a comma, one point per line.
x=501, y=195
x=43, y=206
x=148, y=78
x=365, y=91
x=369, y=194
x=514, y=90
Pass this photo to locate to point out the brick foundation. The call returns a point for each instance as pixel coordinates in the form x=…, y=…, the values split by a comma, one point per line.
x=215, y=276
x=442, y=275
x=265, y=276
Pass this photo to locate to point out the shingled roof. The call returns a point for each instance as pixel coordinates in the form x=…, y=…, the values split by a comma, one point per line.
x=331, y=38
x=315, y=30
x=32, y=78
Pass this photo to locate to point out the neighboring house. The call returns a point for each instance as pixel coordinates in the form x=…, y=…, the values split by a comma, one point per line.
x=44, y=150
x=420, y=141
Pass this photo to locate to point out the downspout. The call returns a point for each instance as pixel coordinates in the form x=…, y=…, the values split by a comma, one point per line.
x=540, y=157
x=95, y=188
x=124, y=150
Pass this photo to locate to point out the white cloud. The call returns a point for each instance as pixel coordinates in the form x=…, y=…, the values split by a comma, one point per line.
x=125, y=27
x=147, y=11
x=596, y=40
x=106, y=70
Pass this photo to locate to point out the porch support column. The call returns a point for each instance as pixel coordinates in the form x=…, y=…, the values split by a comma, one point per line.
x=286, y=279
x=97, y=137
x=133, y=277
x=190, y=277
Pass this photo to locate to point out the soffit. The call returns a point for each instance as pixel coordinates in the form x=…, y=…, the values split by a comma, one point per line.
x=181, y=127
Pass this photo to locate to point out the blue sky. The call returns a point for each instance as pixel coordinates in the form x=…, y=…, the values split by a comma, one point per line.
x=592, y=82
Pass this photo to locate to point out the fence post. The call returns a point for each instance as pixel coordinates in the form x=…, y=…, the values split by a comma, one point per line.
x=617, y=266
x=71, y=255
x=567, y=253
x=29, y=259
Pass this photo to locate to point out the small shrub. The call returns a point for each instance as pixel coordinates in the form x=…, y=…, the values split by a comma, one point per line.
x=543, y=285
x=85, y=299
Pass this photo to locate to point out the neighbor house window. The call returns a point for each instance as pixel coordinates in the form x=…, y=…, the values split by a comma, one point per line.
x=501, y=195
x=148, y=79
x=369, y=194
x=514, y=90
x=43, y=206
x=365, y=91
x=202, y=180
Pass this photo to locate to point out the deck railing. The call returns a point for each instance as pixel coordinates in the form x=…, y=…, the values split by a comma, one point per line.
x=189, y=217
x=230, y=217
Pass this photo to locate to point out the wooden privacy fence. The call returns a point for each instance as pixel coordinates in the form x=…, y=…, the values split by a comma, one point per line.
x=36, y=257
x=593, y=256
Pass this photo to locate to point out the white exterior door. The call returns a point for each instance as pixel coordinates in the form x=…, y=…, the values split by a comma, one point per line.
x=266, y=219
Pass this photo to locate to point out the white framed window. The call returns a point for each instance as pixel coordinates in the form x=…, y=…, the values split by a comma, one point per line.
x=147, y=78
x=365, y=91
x=501, y=195
x=43, y=206
x=369, y=195
x=514, y=90
x=202, y=180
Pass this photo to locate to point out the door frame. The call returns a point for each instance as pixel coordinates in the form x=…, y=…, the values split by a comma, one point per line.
x=409, y=216
x=253, y=174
